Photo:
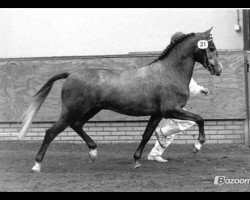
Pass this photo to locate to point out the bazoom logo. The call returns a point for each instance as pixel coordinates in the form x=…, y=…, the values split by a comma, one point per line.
x=219, y=180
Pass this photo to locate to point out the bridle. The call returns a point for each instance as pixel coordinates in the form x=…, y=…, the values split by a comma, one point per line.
x=209, y=67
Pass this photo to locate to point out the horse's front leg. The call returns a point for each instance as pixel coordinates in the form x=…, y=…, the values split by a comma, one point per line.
x=151, y=126
x=185, y=115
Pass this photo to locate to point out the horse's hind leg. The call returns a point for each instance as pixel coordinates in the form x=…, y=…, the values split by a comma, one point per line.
x=77, y=127
x=152, y=124
x=50, y=135
x=91, y=144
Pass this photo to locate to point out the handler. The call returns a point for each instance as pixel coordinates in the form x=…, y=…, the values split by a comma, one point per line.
x=169, y=128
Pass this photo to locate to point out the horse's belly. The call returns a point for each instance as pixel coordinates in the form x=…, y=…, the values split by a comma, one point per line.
x=136, y=112
x=131, y=108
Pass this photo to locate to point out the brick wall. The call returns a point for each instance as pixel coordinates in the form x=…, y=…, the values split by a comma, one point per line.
x=223, y=131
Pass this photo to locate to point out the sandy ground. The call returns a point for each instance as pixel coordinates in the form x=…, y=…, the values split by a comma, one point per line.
x=66, y=167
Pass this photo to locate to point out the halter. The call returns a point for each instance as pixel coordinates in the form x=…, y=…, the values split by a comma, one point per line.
x=207, y=52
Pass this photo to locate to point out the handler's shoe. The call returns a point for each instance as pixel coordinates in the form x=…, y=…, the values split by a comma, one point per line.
x=161, y=138
x=157, y=158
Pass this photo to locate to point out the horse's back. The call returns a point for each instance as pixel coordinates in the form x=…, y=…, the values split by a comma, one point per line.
x=88, y=78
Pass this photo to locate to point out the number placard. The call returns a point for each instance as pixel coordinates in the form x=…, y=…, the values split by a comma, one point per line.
x=202, y=44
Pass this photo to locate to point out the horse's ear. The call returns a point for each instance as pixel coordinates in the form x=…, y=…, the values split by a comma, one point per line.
x=207, y=33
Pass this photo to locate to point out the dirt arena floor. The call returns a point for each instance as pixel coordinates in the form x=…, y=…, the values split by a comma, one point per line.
x=66, y=168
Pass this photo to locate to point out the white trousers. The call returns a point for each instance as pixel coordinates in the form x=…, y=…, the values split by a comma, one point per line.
x=170, y=128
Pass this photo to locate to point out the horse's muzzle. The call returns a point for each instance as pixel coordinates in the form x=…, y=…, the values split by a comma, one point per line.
x=215, y=67
x=217, y=73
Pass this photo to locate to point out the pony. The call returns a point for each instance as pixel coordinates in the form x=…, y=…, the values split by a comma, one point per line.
x=159, y=89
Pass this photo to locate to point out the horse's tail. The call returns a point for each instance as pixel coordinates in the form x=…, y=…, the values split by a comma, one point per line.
x=34, y=107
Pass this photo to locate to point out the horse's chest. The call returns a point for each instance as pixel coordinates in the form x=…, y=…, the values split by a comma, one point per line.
x=173, y=99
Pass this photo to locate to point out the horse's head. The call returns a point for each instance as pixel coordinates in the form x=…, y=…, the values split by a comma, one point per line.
x=206, y=53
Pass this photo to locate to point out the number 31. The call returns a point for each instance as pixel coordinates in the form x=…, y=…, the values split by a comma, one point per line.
x=202, y=44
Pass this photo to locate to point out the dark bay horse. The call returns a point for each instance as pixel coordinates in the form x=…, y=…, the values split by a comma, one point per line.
x=159, y=90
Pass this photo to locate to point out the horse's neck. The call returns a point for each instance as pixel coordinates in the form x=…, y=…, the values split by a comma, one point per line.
x=180, y=64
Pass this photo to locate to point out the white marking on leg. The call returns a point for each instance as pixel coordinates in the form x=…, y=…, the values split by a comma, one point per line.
x=137, y=165
x=92, y=154
x=198, y=146
x=37, y=167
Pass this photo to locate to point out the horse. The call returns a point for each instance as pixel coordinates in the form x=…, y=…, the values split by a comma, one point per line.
x=159, y=89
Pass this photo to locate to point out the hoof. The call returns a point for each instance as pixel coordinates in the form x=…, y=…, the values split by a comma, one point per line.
x=196, y=148
x=137, y=165
x=92, y=155
x=37, y=167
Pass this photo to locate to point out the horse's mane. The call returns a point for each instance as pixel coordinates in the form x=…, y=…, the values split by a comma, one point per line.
x=172, y=44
